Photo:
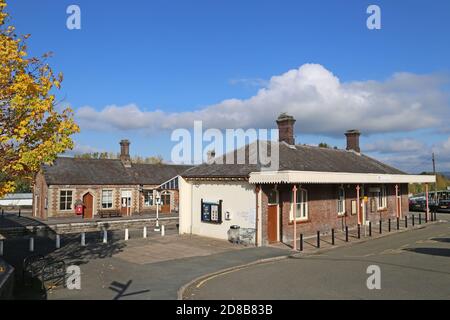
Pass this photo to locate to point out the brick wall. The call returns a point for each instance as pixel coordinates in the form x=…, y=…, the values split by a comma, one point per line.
x=96, y=190
x=322, y=209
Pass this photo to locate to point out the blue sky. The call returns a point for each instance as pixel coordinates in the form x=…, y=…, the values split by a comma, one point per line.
x=180, y=57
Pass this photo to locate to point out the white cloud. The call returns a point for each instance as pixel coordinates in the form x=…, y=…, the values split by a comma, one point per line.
x=80, y=149
x=320, y=102
x=412, y=155
x=395, y=146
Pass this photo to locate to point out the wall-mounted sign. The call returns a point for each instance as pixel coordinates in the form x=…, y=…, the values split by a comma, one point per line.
x=211, y=212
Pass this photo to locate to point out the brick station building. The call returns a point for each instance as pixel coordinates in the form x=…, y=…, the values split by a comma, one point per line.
x=316, y=188
x=107, y=187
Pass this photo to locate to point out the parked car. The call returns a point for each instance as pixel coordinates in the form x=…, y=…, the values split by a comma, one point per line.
x=417, y=204
x=444, y=206
x=436, y=202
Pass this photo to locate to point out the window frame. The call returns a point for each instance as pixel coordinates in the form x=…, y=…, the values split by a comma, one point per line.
x=302, y=205
x=341, y=199
x=103, y=197
x=68, y=206
x=382, y=198
x=152, y=195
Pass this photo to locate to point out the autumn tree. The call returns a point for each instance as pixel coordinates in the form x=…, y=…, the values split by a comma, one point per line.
x=33, y=132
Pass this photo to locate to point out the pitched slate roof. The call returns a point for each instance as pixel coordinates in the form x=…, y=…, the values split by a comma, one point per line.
x=296, y=158
x=78, y=171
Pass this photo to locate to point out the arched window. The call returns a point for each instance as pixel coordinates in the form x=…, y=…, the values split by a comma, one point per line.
x=301, y=212
x=341, y=201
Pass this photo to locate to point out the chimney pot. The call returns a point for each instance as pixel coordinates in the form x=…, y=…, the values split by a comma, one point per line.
x=125, y=153
x=353, y=140
x=211, y=155
x=285, y=124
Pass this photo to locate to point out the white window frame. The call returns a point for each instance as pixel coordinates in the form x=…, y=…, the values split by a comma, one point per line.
x=66, y=203
x=302, y=205
x=382, y=198
x=153, y=198
x=111, y=198
x=341, y=201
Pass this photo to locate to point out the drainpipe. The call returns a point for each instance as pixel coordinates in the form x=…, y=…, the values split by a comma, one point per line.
x=294, y=189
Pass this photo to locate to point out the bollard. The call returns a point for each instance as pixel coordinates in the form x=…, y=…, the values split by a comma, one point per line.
x=163, y=230
x=31, y=244
x=332, y=237
x=144, y=233
x=381, y=227
x=346, y=233
x=359, y=231
x=420, y=218
x=83, y=239
x=370, y=228
x=58, y=241
x=1, y=248
x=426, y=217
x=301, y=241
x=389, y=225
x=406, y=222
x=398, y=224
x=105, y=236
x=127, y=235
x=318, y=239
x=413, y=222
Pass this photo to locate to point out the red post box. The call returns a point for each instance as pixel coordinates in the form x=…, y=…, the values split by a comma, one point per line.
x=79, y=209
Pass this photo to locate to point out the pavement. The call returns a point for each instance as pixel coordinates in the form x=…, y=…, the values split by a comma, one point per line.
x=151, y=268
x=414, y=265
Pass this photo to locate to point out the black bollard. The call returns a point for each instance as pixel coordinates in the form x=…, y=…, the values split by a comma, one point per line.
x=332, y=237
x=413, y=220
x=420, y=218
x=406, y=222
x=389, y=225
x=346, y=233
x=370, y=228
x=398, y=223
x=381, y=226
x=426, y=217
x=318, y=239
x=359, y=231
x=301, y=241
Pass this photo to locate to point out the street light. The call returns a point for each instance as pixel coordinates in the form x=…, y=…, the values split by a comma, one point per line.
x=158, y=201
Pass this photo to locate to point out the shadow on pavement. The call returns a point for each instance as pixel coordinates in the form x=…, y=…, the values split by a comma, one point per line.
x=447, y=240
x=443, y=252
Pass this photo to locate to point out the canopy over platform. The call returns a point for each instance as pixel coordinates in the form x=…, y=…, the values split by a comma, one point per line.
x=275, y=177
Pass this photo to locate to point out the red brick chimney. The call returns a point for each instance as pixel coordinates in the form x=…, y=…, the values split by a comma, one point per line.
x=353, y=140
x=125, y=153
x=286, y=128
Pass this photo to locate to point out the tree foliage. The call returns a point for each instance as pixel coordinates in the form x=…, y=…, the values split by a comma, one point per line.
x=105, y=155
x=33, y=131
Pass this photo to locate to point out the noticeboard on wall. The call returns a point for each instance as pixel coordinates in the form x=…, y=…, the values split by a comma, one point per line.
x=211, y=212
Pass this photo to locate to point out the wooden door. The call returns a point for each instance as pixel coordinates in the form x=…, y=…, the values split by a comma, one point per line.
x=88, y=201
x=165, y=203
x=272, y=223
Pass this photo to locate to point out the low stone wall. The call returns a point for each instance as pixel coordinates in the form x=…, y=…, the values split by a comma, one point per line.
x=49, y=230
x=6, y=280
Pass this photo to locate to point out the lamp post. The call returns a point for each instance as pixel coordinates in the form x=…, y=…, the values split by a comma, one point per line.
x=158, y=199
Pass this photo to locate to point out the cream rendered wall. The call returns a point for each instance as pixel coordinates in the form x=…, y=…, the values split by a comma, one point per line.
x=239, y=198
